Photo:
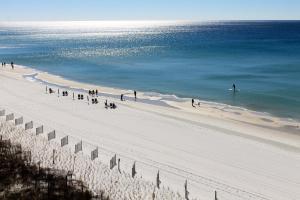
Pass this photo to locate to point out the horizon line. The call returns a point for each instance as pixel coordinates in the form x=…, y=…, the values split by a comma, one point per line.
x=158, y=20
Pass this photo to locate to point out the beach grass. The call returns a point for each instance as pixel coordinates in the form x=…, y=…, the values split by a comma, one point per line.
x=19, y=179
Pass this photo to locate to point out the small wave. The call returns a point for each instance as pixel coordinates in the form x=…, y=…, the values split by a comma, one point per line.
x=166, y=97
x=31, y=79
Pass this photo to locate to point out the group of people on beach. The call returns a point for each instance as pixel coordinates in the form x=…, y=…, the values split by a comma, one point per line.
x=91, y=93
x=3, y=64
x=110, y=105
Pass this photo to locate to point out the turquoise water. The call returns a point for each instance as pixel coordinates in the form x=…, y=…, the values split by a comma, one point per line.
x=199, y=60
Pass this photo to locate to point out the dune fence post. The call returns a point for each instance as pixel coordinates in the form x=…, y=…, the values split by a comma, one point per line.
x=113, y=161
x=19, y=121
x=10, y=117
x=64, y=141
x=39, y=130
x=94, y=154
x=53, y=157
x=158, y=182
x=74, y=161
x=78, y=147
x=29, y=125
x=2, y=112
x=51, y=135
x=186, y=192
x=119, y=167
x=153, y=194
x=133, y=171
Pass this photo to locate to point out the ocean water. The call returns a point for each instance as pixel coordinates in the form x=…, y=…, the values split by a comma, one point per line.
x=187, y=59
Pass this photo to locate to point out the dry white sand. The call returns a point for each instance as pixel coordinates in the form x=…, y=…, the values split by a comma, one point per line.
x=239, y=153
x=96, y=175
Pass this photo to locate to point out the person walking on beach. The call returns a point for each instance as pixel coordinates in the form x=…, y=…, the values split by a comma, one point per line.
x=193, y=101
x=134, y=95
x=97, y=93
x=122, y=99
x=12, y=65
x=105, y=104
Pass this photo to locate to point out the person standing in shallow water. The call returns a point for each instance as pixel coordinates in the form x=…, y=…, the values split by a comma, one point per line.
x=12, y=65
x=134, y=95
x=233, y=87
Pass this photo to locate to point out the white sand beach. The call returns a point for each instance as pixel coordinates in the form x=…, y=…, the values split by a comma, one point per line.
x=239, y=153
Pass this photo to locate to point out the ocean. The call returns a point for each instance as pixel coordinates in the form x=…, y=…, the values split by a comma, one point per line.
x=184, y=59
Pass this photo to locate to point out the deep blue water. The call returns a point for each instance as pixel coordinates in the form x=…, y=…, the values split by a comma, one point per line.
x=199, y=60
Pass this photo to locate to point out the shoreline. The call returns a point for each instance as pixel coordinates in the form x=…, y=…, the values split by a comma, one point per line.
x=154, y=97
x=33, y=77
